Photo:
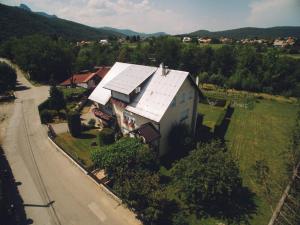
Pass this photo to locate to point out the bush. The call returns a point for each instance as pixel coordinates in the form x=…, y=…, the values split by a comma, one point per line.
x=92, y=123
x=62, y=114
x=8, y=78
x=74, y=123
x=46, y=116
x=106, y=137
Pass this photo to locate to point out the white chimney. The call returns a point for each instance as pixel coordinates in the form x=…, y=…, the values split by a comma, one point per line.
x=164, y=69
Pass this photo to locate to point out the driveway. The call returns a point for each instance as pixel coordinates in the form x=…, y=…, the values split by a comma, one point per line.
x=54, y=191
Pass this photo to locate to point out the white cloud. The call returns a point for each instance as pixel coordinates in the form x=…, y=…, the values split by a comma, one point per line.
x=274, y=12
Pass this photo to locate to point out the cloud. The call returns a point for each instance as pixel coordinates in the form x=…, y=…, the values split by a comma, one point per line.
x=274, y=12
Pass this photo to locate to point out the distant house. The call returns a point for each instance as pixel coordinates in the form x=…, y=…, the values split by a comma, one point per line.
x=103, y=42
x=186, y=39
x=86, y=79
x=146, y=102
x=225, y=40
x=204, y=40
x=83, y=43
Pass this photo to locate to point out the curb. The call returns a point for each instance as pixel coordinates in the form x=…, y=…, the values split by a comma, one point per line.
x=105, y=189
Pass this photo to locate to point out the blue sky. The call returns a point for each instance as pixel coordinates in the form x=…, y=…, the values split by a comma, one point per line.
x=172, y=16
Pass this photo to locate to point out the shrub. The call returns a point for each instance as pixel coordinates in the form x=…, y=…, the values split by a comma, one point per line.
x=92, y=123
x=74, y=123
x=46, y=116
x=106, y=137
x=56, y=99
x=8, y=78
x=62, y=114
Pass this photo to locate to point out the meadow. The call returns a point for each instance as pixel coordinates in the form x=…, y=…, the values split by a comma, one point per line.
x=260, y=133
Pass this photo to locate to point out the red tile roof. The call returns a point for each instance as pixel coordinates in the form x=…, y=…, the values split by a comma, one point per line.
x=85, y=77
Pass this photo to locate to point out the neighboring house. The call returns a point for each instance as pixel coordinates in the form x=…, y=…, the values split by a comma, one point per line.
x=103, y=42
x=86, y=79
x=204, y=40
x=186, y=39
x=225, y=40
x=146, y=101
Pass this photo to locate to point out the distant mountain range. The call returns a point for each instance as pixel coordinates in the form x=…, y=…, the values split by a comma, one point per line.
x=130, y=33
x=25, y=7
x=250, y=32
x=17, y=22
x=21, y=21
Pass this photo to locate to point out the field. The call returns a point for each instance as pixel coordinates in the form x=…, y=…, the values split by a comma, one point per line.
x=260, y=133
x=79, y=148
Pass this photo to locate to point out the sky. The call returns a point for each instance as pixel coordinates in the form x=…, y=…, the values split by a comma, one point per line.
x=171, y=16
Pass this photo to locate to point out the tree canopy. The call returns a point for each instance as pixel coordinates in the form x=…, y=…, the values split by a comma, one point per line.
x=8, y=78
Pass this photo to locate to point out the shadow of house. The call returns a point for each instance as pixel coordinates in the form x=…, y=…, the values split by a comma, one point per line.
x=221, y=130
x=11, y=204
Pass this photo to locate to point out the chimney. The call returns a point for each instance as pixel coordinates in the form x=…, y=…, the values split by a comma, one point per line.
x=197, y=81
x=164, y=69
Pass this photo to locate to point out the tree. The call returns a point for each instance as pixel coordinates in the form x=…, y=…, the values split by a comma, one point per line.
x=207, y=180
x=74, y=123
x=56, y=99
x=8, y=78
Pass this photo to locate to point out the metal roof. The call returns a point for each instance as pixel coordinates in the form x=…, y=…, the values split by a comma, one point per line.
x=130, y=78
x=102, y=95
x=155, y=98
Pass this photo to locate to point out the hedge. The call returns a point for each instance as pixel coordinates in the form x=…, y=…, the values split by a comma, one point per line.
x=106, y=137
x=47, y=115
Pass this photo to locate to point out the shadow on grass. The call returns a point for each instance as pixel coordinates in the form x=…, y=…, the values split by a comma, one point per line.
x=222, y=129
x=11, y=204
x=86, y=136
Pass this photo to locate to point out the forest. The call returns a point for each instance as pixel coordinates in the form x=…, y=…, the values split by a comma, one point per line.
x=252, y=68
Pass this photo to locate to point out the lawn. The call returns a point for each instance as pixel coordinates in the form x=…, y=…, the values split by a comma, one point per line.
x=211, y=114
x=261, y=133
x=72, y=91
x=80, y=148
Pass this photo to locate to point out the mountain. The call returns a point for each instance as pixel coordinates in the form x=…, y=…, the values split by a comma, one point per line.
x=26, y=7
x=250, y=32
x=17, y=22
x=128, y=32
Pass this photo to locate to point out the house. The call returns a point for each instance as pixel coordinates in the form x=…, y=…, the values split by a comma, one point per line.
x=86, y=79
x=204, y=40
x=225, y=40
x=186, y=39
x=146, y=102
x=103, y=42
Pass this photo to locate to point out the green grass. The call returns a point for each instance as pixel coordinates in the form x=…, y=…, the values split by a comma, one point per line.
x=213, y=46
x=80, y=148
x=294, y=56
x=211, y=114
x=72, y=91
x=262, y=133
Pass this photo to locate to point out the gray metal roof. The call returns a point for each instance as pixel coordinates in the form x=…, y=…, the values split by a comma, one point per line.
x=130, y=78
x=155, y=98
x=102, y=95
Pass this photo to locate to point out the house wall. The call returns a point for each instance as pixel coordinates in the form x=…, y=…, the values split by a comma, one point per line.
x=139, y=120
x=120, y=96
x=84, y=85
x=175, y=113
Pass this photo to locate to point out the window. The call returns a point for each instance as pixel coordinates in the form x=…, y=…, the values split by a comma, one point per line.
x=173, y=103
x=184, y=115
x=182, y=98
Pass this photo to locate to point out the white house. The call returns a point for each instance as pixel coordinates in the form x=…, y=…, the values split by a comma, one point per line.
x=186, y=39
x=146, y=101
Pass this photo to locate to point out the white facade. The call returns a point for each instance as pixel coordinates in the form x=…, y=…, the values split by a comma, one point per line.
x=164, y=98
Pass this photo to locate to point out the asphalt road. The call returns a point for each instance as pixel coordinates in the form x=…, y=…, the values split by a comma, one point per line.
x=54, y=191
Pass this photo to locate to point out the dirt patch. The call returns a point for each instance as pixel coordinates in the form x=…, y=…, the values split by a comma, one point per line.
x=5, y=112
